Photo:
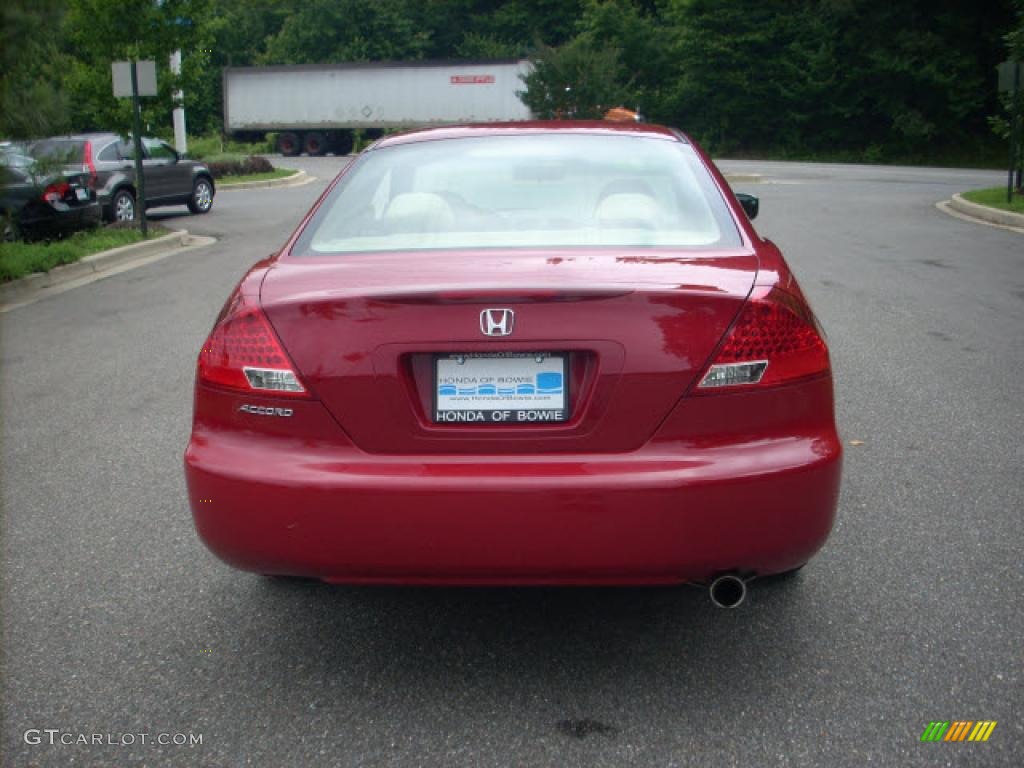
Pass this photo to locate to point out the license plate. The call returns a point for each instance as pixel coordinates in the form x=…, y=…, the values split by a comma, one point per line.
x=501, y=388
x=82, y=194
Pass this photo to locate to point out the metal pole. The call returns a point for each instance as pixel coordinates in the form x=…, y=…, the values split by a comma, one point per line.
x=1018, y=103
x=178, y=115
x=1014, y=131
x=140, y=180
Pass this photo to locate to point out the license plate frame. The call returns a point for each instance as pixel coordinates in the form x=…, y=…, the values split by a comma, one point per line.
x=522, y=407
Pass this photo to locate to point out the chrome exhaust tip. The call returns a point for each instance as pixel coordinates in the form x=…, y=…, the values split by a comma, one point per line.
x=727, y=591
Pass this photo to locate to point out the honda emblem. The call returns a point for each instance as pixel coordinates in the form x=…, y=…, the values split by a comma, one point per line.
x=497, y=322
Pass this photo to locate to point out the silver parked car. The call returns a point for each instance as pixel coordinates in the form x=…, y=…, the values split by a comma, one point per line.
x=110, y=159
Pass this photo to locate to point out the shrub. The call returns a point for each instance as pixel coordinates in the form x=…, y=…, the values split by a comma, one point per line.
x=236, y=165
x=210, y=146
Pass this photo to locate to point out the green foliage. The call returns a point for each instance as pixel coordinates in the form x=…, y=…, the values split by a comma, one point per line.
x=1015, y=37
x=274, y=173
x=901, y=79
x=210, y=146
x=817, y=74
x=31, y=102
x=575, y=81
x=99, y=32
x=1000, y=123
x=238, y=30
x=643, y=42
x=480, y=46
x=238, y=165
x=995, y=197
x=743, y=78
x=21, y=259
x=348, y=30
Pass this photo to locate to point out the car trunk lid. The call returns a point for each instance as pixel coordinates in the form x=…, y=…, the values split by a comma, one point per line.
x=635, y=327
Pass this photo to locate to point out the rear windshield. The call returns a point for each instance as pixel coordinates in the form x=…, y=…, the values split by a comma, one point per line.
x=60, y=150
x=539, y=190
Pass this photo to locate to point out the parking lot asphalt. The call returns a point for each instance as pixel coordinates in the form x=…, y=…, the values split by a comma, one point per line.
x=117, y=622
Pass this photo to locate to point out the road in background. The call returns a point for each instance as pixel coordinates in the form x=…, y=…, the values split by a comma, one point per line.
x=117, y=621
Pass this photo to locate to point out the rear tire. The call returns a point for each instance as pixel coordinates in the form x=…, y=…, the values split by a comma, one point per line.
x=344, y=142
x=122, y=206
x=202, y=196
x=11, y=231
x=315, y=144
x=288, y=144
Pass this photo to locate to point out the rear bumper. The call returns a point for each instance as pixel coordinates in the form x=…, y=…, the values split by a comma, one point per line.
x=658, y=515
x=44, y=220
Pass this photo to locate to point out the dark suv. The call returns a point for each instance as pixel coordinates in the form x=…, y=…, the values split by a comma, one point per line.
x=110, y=159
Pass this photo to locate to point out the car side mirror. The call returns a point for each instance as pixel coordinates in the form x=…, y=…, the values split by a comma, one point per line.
x=751, y=205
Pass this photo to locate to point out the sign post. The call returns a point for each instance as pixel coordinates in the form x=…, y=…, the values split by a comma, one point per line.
x=1011, y=80
x=141, y=81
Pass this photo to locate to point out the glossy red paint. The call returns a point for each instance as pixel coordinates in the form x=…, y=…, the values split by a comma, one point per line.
x=646, y=483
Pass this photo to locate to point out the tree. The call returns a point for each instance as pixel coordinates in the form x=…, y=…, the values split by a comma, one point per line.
x=97, y=32
x=573, y=81
x=321, y=31
x=1011, y=103
x=31, y=101
x=1015, y=38
x=489, y=29
x=618, y=57
x=903, y=78
x=640, y=35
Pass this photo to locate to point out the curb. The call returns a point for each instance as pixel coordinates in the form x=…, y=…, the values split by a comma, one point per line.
x=986, y=214
x=295, y=180
x=18, y=291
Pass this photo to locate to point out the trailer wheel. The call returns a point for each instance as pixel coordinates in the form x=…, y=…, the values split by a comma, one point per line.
x=343, y=142
x=288, y=144
x=315, y=144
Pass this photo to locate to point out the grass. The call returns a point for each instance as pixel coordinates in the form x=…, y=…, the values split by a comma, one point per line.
x=277, y=173
x=20, y=259
x=995, y=197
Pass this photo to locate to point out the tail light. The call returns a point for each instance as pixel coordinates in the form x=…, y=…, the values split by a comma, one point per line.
x=90, y=166
x=775, y=340
x=55, y=192
x=243, y=353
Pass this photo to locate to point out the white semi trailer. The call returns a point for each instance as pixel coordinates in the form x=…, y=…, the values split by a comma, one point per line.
x=315, y=108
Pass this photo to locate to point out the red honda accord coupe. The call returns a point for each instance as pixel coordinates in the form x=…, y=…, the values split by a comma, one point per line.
x=531, y=353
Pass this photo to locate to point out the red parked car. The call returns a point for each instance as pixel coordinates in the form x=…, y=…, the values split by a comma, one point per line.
x=532, y=353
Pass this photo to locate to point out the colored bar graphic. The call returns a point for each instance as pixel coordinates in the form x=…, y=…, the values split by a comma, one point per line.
x=935, y=731
x=958, y=730
x=982, y=730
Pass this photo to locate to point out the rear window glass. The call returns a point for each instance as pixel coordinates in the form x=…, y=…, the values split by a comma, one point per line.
x=539, y=190
x=61, y=150
x=109, y=154
x=14, y=159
